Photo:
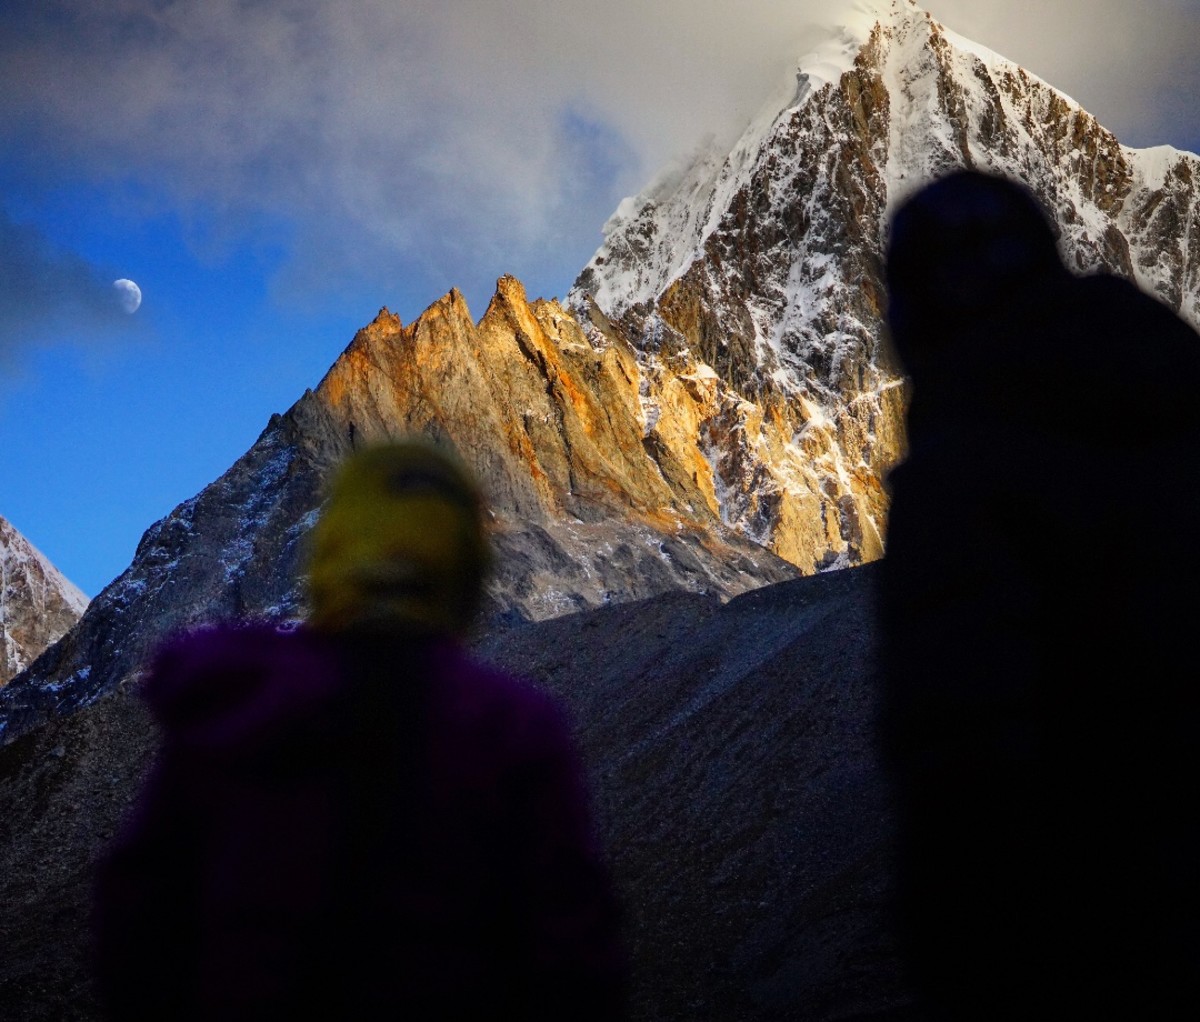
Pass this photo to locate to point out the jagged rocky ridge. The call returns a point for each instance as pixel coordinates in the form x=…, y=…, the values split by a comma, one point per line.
x=38, y=605
x=547, y=412
x=717, y=389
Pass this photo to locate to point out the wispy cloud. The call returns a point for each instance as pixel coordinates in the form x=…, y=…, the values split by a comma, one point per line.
x=466, y=138
x=48, y=293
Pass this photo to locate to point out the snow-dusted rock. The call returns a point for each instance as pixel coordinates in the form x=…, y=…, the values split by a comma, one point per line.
x=37, y=604
x=763, y=266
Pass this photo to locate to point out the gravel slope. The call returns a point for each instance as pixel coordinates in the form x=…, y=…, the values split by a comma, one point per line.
x=733, y=759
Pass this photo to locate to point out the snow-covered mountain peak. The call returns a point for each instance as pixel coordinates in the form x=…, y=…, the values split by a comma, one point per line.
x=764, y=264
x=654, y=236
x=939, y=100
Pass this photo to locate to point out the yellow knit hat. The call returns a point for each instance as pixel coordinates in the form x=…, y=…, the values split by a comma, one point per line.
x=400, y=544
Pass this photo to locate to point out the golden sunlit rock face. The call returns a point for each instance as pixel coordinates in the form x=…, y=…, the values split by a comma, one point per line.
x=570, y=426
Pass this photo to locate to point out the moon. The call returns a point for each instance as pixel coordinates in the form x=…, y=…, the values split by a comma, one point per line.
x=128, y=294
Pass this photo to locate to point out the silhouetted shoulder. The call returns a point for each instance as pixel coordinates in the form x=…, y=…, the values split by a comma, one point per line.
x=228, y=686
x=1149, y=334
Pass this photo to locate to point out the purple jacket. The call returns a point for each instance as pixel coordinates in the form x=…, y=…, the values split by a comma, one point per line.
x=364, y=829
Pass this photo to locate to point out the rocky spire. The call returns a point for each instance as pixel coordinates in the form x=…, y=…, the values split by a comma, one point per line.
x=37, y=604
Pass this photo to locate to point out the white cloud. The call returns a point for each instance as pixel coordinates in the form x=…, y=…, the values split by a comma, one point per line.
x=469, y=138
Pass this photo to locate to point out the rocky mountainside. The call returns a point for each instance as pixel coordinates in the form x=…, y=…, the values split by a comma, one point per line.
x=584, y=510
x=37, y=604
x=714, y=407
x=763, y=264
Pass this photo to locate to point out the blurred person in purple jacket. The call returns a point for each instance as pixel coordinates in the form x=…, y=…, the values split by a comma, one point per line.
x=353, y=817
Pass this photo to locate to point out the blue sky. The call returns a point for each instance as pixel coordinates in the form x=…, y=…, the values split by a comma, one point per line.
x=272, y=172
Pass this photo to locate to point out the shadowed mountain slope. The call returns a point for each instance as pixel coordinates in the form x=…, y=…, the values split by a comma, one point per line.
x=732, y=755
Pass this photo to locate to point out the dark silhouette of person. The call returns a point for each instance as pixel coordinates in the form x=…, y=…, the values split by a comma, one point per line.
x=1036, y=608
x=353, y=818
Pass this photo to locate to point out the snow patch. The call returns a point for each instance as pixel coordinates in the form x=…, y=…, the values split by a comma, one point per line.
x=1154, y=164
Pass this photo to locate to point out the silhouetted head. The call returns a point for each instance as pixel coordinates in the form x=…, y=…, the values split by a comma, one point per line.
x=400, y=545
x=965, y=249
